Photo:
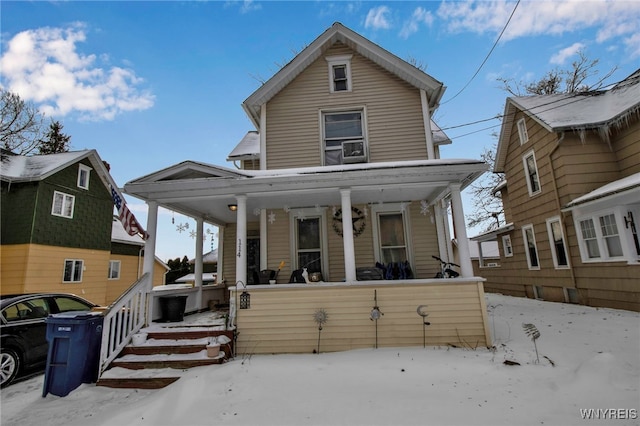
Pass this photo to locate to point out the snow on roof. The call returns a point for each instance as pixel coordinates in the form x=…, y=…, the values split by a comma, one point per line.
x=119, y=235
x=248, y=148
x=36, y=167
x=211, y=257
x=616, y=187
x=584, y=110
x=206, y=277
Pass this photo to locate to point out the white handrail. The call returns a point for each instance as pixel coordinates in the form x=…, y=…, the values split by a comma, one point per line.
x=123, y=318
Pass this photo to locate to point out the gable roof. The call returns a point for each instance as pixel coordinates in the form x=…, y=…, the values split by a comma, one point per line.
x=339, y=33
x=33, y=168
x=579, y=112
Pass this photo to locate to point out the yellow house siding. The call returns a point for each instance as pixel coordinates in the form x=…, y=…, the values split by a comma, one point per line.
x=45, y=268
x=12, y=270
x=278, y=245
x=280, y=319
x=395, y=127
x=424, y=237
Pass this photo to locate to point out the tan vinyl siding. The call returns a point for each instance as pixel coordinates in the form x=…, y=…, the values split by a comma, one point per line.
x=393, y=114
x=280, y=319
x=627, y=148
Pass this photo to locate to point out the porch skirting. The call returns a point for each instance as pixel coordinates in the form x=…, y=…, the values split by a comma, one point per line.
x=280, y=318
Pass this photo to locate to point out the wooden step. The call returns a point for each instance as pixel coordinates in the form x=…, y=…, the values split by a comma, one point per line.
x=137, y=383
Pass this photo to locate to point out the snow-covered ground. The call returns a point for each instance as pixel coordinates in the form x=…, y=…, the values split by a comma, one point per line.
x=589, y=366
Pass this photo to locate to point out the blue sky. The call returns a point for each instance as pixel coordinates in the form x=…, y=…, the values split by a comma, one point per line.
x=151, y=84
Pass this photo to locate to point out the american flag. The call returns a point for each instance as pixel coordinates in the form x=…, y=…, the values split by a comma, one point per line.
x=127, y=218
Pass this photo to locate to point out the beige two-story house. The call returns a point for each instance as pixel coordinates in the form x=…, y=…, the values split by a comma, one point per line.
x=571, y=198
x=337, y=203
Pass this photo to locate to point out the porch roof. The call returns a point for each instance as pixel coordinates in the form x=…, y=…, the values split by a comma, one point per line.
x=205, y=191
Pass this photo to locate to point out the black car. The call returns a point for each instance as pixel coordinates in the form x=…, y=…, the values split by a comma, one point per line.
x=23, y=344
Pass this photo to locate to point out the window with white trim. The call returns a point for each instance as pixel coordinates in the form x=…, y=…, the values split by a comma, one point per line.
x=589, y=239
x=602, y=238
x=114, y=269
x=522, y=131
x=531, y=173
x=339, y=73
x=62, y=204
x=557, y=242
x=309, y=240
x=530, y=247
x=610, y=235
x=391, y=240
x=506, y=246
x=83, y=176
x=73, y=270
x=344, y=137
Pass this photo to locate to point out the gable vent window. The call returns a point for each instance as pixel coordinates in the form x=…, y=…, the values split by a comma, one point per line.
x=344, y=138
x=522, y=131
x=339, y=73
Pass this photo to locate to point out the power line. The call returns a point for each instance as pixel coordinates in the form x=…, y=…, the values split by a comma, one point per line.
x=487, y=57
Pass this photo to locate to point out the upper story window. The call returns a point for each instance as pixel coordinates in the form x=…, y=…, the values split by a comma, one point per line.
x=63, y=204
x=344, y=137
x=83, y=176
x=339, y=73
x=531, y=172
x=522, y=131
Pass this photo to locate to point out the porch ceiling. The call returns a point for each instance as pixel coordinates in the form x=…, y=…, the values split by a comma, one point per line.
x=208, y=198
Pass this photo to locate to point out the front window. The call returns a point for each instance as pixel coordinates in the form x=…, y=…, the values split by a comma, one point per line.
x=558, y=245
x=530, y=247
x=610, y=235
x=309, y=248
x=62, y=204
x=531, y=171
x=589, y=238
x=114, y=269
x=344, y=138
x=600, y=238
x=73, y=271
x=393, y=246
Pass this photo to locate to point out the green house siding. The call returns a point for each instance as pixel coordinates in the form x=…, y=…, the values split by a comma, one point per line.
x=17, y=203
x=126, y=249
x=29, y=218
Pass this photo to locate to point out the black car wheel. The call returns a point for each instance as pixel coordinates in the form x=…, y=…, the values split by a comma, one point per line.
x=9, y=366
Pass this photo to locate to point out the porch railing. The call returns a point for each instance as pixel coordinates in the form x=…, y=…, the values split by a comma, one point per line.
x=123, y=318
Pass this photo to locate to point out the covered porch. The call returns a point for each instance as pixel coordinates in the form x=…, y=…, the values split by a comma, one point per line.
x=266, y=205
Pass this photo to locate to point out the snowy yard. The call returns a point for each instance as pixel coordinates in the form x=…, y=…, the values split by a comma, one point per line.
x=589, y=366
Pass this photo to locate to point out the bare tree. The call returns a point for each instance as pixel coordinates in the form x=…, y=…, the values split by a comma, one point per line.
x=487, y=204
x=20, y=124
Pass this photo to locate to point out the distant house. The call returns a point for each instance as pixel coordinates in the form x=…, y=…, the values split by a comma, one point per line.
x=343, y=179
x=571, y=198
x=57, y=227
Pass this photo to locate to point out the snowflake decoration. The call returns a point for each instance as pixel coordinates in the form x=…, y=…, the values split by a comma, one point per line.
x=286, y=209
x=301, y=215
x=272, y=217
x=334, y=209
x=365, y=212
x=424, y=207
x=182, y=227
x=256, y=212
x=193, y=234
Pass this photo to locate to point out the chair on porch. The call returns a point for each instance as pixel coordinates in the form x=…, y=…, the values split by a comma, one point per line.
x=263, y=276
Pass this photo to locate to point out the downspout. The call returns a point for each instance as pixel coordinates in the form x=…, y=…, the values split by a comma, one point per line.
x=559, y=206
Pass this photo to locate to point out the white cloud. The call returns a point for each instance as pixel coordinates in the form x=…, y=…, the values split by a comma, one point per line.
x=611, y=18
x=43, y=66
x=377, y=18
x=249, y=6
x=560, y=57
x=419, y=16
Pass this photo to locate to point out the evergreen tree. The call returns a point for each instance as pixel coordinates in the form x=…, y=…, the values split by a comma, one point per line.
x=55, y=141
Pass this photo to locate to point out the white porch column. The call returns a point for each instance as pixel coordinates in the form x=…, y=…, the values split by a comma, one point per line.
x=197, y=269
x=347, y=237
x=219, y=265
x=263, y=137
x=241, y=240
x=426, y=114
x=263, y=240
x=150, y=244
x=461, y=231
x=441, y=227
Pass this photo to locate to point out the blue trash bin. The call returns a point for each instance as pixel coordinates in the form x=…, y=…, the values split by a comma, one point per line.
x=74, y=351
